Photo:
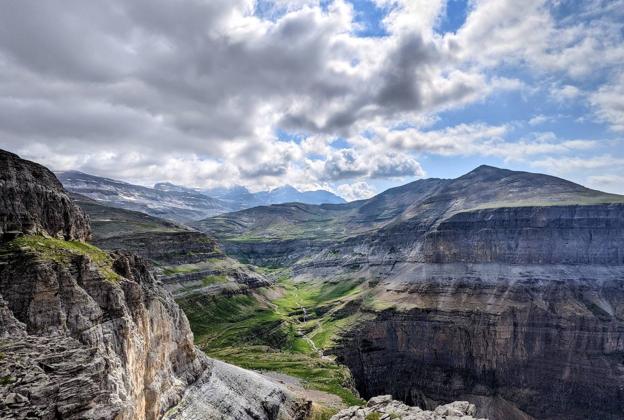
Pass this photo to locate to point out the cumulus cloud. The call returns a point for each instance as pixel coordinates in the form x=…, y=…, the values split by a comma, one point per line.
x=609, y=103
x=576, y=164
x=194, y=91
x=355, y=191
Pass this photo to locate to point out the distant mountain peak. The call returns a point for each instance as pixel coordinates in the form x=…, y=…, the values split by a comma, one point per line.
x=488, y=170
x=169, y=186
x=285, y=188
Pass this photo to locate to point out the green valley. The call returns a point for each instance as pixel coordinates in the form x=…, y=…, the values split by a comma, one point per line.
x=284, y=328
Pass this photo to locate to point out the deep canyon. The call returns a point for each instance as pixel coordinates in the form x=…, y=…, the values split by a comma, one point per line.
x=500, y=288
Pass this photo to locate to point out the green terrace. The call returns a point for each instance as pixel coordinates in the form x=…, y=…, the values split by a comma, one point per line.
x=286, y=333
x=62, y=252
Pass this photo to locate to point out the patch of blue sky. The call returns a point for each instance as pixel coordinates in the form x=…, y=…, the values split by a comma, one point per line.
x=368, y=134
x=455, y=16
x=288, y=136
x=369, y=18
x=569, y=118
x=267, y=10
x=340, y=143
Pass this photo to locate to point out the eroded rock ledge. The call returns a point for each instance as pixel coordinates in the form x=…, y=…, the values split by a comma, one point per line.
x=32, y=200
x=85, y=334
x=385, y=408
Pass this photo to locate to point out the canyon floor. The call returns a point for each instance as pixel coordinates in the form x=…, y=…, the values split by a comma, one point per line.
x=500, y=289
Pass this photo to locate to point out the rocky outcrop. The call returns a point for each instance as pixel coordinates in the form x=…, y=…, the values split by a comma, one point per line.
x=32, y=200
x=384, y=407
x=519, y=341
x=531, y=235
x=233, y=277
x=228, y=392
x=85, y=334
x=274, y=253
x=92, y=344
x=165, y=247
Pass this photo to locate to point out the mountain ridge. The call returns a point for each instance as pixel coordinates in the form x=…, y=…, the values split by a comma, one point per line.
x=421, y=201
x=179, y=203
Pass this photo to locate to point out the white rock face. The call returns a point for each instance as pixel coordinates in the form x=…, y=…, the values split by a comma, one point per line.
x=228, y=392
x=386, y=409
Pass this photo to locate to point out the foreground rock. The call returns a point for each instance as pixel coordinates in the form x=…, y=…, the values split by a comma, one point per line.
x=385, y=408
x=228, y=392
x=32, y=200
x=85, y=334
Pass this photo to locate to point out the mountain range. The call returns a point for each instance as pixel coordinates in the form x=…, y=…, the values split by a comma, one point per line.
x=422, y=202
x=179, y=203
x=500, y=290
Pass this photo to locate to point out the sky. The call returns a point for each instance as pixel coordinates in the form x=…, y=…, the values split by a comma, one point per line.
x=352, y=96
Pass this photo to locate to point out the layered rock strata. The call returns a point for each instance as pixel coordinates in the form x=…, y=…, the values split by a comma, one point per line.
x=33, y=201
x=85, y=334
x=519, y=341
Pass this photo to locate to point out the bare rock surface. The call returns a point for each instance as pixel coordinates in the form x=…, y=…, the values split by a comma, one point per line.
x=521, y=341
x=85, y=334
x=231, y=393
x=84, y=345
x=32, y=200
x=384, y=407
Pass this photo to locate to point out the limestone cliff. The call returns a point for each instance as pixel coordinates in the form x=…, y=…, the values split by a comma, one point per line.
x=97, y=342
x=33, y=201
x=85, y=334
x=590, y=234
x=518, y=341
x=384, y=407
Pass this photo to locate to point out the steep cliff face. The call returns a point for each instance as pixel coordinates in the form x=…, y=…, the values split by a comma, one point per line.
x=33, y=201
x=85, y=334
x=165, y=247
x=547, y=341
x=531, y=235
x=104, y=339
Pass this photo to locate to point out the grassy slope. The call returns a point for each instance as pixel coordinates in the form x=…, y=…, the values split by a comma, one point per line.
x=109, y=221
x=62, y=252
x=256, y=332
x=427, y=200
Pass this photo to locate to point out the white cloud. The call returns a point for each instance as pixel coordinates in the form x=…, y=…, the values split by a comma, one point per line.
x=539, y=119
x=611, y=183
x=355, y=191
x=576, y=164
x=565, y=93
x=609, y=103
x=193, y=91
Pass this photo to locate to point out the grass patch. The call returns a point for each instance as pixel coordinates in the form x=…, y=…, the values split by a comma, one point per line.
x=7, y=380
x=319, y=412
x=62, y=252
x=255, y=333
x=181, y=269
x=313, y=294
x=317, y=373
x=214, y=279
x=220, y=321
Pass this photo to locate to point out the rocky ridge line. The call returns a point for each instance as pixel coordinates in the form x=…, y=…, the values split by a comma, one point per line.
x=85, y=334
x=385, y=408
x=33, y=202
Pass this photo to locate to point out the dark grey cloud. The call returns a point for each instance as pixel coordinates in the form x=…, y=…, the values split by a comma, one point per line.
x=152, y=84
x=349, y=163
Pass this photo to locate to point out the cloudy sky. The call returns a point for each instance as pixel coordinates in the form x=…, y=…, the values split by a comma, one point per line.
x=353, y=96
